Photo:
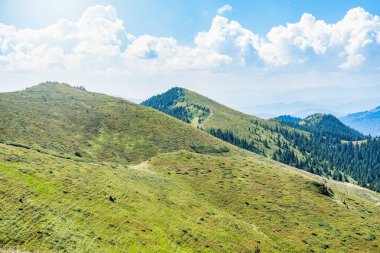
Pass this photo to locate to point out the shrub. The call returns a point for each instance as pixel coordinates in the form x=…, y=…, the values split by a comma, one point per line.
x=323, y=189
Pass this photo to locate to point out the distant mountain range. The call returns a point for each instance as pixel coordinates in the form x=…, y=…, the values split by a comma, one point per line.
x=267, y=111
x=367, y=122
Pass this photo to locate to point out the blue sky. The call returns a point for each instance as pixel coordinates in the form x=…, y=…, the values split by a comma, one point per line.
x=178, y=18
x=261, y=57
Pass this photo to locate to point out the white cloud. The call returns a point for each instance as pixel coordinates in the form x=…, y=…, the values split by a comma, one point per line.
x=98, y=41
x=345, y=42
x=100, y=32
x=356, y=31
x=97, y=33
x=229, y=39
x=288, y=44
x=223, y=9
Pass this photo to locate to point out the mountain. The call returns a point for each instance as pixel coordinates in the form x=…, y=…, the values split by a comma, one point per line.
x=288, y=119
x=320, y=143
x=69, y=183
x=367, y=122
x=178, y=202
x=210, y=115
x=72, y=122
x=325, y=124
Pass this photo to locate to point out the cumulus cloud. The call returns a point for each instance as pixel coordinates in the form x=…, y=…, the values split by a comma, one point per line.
x=98, y=33
x=223, y=9
x=99, y=41
x=344, y=42
x=228, y=38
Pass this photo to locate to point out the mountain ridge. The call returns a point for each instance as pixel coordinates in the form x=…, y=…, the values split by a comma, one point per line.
x=367, y=121
x=89, y=125
x=321, y=144
x=326, y=124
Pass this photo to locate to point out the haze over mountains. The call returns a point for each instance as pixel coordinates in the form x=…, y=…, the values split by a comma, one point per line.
x=367, y=122
x=82, y=171
x=303, y=102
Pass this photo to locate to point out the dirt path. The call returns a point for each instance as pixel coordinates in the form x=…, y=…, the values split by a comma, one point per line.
x=209, y=116
x=140, y=166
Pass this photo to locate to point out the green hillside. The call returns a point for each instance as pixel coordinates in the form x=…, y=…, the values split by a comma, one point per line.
x=327, y=124
x=71, y=122
x=322, y=124
x=320, y=143
x=208, y=114
x=86, y=172
x=178, y=202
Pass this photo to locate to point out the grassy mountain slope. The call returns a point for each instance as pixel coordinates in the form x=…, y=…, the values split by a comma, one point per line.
x=67, y=184
x=320, y=143
x=367, y=122
x=179, y=202
x=71, y=122
x=206, y=114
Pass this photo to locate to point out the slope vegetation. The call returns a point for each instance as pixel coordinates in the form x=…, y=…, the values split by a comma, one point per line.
x=323, y=124
x=179, y=202
x=70, y=122
x=209, y=115
x=330, y=126
x=320, y=143
x=85, y=172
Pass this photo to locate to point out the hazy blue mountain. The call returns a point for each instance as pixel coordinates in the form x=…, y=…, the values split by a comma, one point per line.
x=367, y=122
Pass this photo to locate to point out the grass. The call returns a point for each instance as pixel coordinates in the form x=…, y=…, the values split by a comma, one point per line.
x=177, y=202
x=85, y=172
x=290, y=207
x=53, y=204
x=69, y=122
x=244, y=126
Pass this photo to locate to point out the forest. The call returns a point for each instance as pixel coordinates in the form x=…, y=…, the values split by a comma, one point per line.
x=330, y=157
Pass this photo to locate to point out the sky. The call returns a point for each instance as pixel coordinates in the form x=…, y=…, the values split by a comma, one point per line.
x=261, y=57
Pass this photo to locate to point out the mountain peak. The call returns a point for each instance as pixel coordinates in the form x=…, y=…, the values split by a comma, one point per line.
x=317, y=118
x=288, y=118
x=328, y=124
x=49, y=86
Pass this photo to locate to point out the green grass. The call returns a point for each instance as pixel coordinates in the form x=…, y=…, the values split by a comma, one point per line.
x=53, y=204
x=178, y=202
x=204, y=113
x=71, y=181
x=69, y=122
x=285, y=204
x=244, y=126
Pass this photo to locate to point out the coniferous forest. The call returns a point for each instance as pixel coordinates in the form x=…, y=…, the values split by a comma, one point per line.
x=317, y=154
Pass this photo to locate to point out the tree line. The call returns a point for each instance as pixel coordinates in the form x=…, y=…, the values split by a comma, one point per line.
x=320, y=155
